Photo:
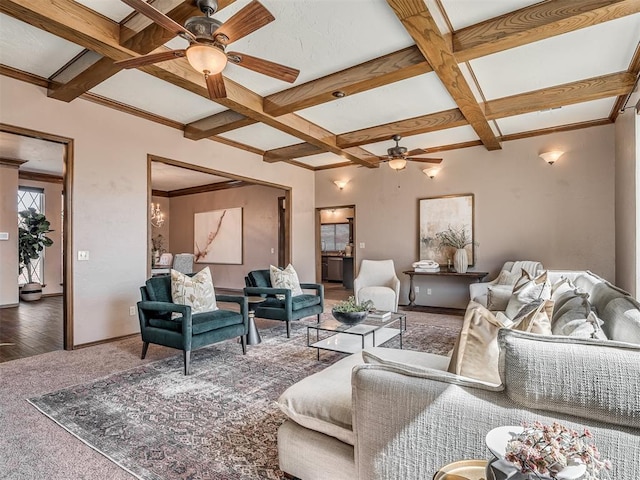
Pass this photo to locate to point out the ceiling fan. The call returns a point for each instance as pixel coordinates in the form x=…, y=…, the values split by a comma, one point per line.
x=208, y=39
x=397, y=156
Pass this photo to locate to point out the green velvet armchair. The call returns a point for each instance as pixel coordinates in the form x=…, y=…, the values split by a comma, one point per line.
x=187, y=332
x=291, y=308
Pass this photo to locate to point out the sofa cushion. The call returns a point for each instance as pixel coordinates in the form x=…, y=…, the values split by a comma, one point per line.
x=526, y=290
x=621, y=319
x=195, y=291
x=476, y=352
x=593, y=379
x=535, y=317
x=498, y=297
x=297, y=303
x=202, y=322
x=322, y=401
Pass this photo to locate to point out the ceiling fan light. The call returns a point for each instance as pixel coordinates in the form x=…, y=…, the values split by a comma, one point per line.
x=398, y=163
x=206, y=58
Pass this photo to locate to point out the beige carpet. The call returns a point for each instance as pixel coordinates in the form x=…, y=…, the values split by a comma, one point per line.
x=33, y=447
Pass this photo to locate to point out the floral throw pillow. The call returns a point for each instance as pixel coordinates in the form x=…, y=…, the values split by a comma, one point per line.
x=196, y=291
x=287, y=278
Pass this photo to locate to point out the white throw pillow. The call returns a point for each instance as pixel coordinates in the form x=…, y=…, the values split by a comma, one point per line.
x=526, y=290
x=196, y=291
x=507, y=278
x=287, y=278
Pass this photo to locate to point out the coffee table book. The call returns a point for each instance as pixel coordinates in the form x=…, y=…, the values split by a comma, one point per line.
x=379, y=314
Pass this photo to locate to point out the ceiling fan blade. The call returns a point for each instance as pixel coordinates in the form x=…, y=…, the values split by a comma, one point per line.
x=215, y=85
x=160, y=18
x=150, y=58
x=245, y=21
x=417, y=151
x=424, y=160
x=266, y=67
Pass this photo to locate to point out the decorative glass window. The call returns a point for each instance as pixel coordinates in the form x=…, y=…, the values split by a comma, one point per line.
x=31, y=197
x=334, y=236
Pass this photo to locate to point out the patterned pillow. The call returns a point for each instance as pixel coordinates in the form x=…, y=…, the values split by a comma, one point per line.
x=507, y=278
x=526, y=290
x=287, y=278
x=196, y=291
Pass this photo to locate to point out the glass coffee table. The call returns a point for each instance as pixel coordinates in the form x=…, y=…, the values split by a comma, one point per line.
x=372, y=332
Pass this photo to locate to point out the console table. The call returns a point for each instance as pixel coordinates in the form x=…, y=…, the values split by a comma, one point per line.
x=471, y=276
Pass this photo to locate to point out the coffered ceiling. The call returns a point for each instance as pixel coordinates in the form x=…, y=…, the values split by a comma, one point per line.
x=442, y=73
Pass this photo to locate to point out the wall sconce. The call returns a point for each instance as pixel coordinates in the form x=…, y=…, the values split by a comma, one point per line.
x=341, y=183
x=551, y=157
x=431, y=172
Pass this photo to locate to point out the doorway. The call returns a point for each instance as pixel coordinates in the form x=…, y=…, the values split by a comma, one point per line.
x=45, y=179
x=335, y=249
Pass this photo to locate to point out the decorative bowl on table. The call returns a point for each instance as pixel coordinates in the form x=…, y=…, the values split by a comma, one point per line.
x=349, y=318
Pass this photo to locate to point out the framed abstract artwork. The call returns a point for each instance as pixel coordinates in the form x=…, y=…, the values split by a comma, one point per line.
x=217, y=236
x=437, y=215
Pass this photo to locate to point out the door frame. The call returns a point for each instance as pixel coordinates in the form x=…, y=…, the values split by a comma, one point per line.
x=189, y=166
x=67, y=224
x=318, y=240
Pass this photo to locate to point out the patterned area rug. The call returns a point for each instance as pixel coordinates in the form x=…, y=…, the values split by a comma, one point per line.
x=221, y=421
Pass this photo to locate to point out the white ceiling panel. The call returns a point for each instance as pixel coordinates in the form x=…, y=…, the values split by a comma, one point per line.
x=42, y=156
x=261, y=136
x=33, y=50
x=463, y=13
x=560, y=59
x=426, y=140
x=136, y=88
x=113, y=9
x=580, y=112
x=166, y=177
x=318, y=37
x=321, y=160
x=397, y=101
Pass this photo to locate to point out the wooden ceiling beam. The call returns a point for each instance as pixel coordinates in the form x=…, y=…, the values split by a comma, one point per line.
x=535, y=23
x=298, y=150
x=557, y=96
x=561, y=95
x=74, y=22
x=412, y=126
x=216, y=124
x=400, y=65
x=419, y=23
x=137, y=33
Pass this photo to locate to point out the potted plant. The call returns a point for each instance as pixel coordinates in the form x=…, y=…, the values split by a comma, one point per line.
x=456, y=238
x=350, y=312
x=32, y=240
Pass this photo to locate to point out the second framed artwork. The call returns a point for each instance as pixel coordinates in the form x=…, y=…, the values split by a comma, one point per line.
x=217, y=236
x=449, y=214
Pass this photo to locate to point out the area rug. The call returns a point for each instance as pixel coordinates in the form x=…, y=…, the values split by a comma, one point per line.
x=218, y=423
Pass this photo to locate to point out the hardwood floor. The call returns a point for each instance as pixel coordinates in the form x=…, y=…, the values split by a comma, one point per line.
x=31, y=328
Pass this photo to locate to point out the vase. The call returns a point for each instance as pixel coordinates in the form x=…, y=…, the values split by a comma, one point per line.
x=460, y=260
x=31, y=292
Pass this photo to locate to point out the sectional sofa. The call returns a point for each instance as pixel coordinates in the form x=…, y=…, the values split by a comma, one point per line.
x=397, y=414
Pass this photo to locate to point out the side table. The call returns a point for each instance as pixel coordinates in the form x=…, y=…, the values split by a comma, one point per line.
x=253, y=336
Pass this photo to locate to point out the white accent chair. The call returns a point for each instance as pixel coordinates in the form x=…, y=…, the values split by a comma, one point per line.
x=377, y=281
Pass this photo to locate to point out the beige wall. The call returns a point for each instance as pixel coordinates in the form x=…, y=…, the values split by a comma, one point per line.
x=110, y=197
x=53, y=255
x=259, y=228
x=8, y=248
x=525, y=209
x=627, y=204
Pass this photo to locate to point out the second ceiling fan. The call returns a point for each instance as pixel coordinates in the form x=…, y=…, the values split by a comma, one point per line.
x=397, y=156
x=208, y=39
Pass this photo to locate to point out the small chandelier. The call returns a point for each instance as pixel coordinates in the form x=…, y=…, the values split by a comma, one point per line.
x=157, y=217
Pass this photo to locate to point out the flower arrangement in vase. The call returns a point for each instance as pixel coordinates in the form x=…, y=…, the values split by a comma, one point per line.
x=555, y=451
x=456, y=238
